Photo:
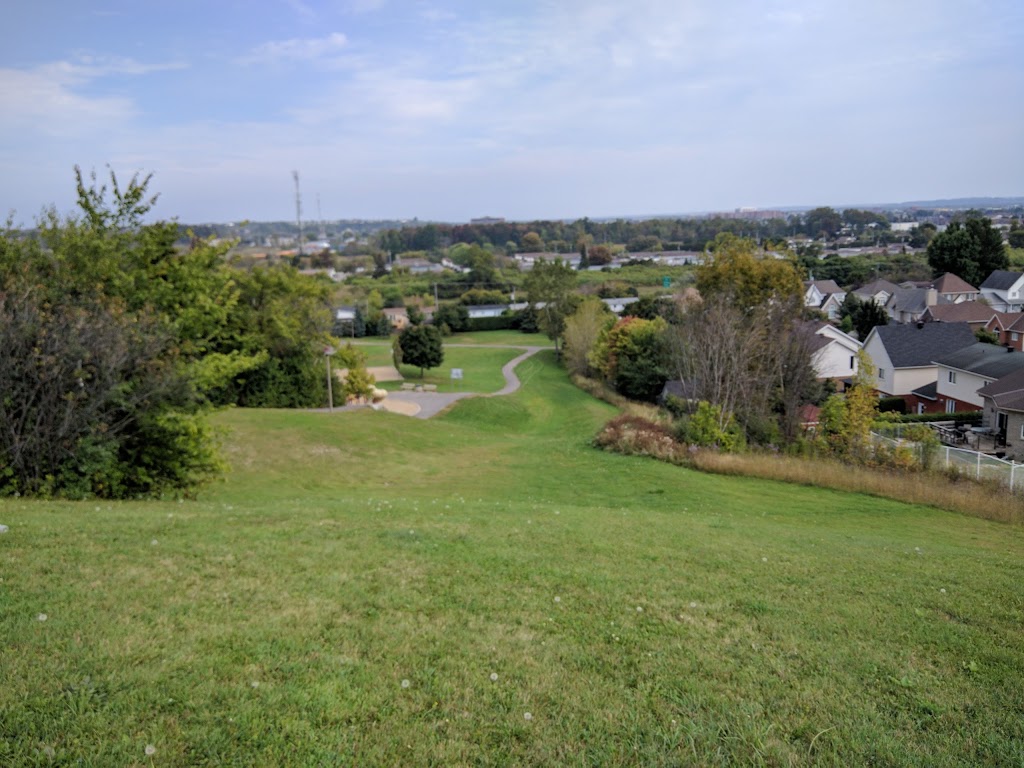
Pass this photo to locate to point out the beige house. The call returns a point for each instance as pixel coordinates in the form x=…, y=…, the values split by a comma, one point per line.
x=904, y=356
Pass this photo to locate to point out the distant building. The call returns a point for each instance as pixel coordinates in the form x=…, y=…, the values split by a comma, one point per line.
x=488, y=220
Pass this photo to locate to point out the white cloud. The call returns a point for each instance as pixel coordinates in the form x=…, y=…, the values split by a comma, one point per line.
x=52, y=98
x=297, y=49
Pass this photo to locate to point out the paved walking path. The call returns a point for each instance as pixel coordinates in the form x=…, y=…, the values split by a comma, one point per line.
x=423, y=405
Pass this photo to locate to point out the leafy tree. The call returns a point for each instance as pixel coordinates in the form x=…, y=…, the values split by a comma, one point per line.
x=971, y=249
x=480, y=296
x=102, y=326
x=733, y=269
x=550, y=286
x=922, y=234
x=633, y=357
x=422, y=347
x=846, y=418
x=599, y=255
x=532, y=243
x=863, y=315
x=583, y=328
x=823, y=222
x=455, y=316
x=415, y=314
x=359, y=382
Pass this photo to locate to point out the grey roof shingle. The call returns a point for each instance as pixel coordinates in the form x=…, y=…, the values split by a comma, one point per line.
x=1001, y=280
x=1006, y=392
x=910, y=346
x=987, y=360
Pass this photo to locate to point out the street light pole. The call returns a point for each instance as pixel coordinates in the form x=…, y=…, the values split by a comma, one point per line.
x=328, y=351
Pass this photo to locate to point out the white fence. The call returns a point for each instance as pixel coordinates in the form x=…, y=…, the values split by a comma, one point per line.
x=969, y=463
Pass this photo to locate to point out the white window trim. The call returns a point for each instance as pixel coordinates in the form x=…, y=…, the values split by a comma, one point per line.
x=952, y=377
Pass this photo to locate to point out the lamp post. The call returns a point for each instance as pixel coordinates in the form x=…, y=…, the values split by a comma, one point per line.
x=328, y=351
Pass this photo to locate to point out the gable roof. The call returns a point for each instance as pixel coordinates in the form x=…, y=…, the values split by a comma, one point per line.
x=824, y=286
x=1001, y=280
x=875, y=287
x=917, y=346
x=964, y=312
x=988, y=360
x=1006, y=392
x=913, y=300
x=950, y=283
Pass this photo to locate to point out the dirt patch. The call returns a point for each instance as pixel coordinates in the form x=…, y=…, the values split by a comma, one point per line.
x=386, y=373
x=400, y=406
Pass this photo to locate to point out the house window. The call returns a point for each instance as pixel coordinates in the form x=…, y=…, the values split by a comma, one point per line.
x=852, y=358
x=1014, y=336
x=920, y=407
x=951, y=406
x=881, y=374
x=952, y=377
x=1022, y=431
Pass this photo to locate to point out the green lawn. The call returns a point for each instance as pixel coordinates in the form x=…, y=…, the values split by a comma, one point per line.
x=369, y=589
x=481, y=368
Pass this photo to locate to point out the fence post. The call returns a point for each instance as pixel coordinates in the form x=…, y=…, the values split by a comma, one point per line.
x=979, y=465
x=947, y=457
x=1013, y=467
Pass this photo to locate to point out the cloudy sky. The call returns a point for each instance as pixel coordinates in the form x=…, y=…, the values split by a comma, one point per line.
x=451, y=109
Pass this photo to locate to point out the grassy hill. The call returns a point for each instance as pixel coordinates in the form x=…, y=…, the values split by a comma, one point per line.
x=487, y=589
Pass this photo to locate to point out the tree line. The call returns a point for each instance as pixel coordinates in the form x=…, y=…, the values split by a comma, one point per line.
x=116, y=342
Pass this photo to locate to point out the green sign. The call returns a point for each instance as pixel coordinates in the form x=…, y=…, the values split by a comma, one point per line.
x=666, y=282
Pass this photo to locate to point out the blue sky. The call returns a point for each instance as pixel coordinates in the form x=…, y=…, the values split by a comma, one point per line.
x=451, y=109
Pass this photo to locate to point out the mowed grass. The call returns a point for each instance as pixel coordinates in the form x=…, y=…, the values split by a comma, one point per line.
x=481, y=367
x=369, y=589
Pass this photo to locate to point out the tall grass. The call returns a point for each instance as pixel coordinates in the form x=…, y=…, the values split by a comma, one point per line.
x=985, y=499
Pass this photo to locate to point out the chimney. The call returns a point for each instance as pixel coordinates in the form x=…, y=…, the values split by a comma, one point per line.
x=920, y=324
x=932, y=297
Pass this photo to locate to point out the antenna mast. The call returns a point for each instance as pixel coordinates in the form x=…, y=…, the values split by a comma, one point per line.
x=320, y=216
x=298, y=208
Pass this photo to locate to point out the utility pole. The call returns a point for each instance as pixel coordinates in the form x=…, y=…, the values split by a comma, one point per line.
x=298, y=208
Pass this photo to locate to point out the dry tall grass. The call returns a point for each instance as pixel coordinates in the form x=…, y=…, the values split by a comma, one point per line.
x=985, y=499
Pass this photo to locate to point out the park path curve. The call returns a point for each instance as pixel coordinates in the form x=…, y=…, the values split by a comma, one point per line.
x=432, y=403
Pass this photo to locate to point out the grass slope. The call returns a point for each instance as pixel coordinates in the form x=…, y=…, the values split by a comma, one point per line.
x=376, y=590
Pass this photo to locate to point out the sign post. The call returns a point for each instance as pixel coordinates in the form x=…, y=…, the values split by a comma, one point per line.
x=457, y=376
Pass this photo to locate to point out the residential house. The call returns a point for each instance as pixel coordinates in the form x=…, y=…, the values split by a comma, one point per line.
x=955, y=290
x=1004, y=411
x=908, y=305
x=397, y=316
x=904, y=358
x=1008, y=328
x=1004, y=290
x=833, y=354
x=618, y=306
x=975, y=313
x=475, y=311
x=878, y=291
x=825, y=295
x=963, y=372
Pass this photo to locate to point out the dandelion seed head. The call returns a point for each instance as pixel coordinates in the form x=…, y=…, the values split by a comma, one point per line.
x=153, y=543
x=150, y=750
x=42, y=617
x=527, y=716
x=943, y=590
x=764, y=559
x=494, y=677
x=558, y=599
x=639, y=609
x=406, y=683
x=49, y=751
x=255, y=683
x=693, y=605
